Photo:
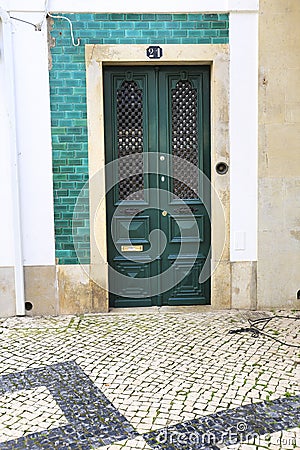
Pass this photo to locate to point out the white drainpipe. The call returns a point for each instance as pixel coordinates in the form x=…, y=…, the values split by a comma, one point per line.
x=14, y=158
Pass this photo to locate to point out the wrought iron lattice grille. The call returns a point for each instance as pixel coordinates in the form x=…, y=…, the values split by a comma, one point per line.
x=185, y=139
x=130, y=140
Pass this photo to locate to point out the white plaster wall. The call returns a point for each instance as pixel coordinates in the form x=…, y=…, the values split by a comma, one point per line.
x=243, y=40
x=135, y=5
x=6, y=238
x=34, y=141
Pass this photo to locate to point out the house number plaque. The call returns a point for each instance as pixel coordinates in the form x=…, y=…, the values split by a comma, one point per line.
x=154, y=52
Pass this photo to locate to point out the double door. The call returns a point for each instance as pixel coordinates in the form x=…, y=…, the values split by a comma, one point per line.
x=157, y=144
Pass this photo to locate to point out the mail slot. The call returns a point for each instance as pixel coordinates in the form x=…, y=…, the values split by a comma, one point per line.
x=131, y=248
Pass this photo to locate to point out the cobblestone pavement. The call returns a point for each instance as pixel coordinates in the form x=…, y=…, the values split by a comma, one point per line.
x=160, y=380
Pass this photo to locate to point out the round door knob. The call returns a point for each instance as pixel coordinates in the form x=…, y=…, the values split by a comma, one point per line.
x=164, y=213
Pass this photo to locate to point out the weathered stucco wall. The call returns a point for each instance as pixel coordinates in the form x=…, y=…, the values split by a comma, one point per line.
x=279, y=155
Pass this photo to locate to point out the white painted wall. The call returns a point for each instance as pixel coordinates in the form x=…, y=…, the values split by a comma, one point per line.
x=34, y=148
x=6, y=227
x=243, y=40
x=34, y=141
x=135, y=5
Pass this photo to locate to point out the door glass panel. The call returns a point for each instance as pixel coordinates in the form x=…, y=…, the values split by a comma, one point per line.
x=185, y=138
x=130, y=140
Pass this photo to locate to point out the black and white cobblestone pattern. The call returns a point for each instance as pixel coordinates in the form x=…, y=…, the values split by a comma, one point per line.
x=126, y=381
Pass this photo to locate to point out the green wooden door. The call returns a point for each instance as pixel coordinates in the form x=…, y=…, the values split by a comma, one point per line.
x=157, y=141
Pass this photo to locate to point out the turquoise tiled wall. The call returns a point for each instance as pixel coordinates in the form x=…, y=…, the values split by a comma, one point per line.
x=68, y=102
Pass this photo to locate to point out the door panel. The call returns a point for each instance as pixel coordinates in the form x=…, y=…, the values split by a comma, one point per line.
x=137, y=228
x=185, y=92
x=152, y=114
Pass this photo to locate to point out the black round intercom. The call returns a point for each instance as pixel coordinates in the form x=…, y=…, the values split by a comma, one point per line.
x=222, y=168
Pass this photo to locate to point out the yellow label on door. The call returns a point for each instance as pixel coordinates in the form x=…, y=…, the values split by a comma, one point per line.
x=131, y=248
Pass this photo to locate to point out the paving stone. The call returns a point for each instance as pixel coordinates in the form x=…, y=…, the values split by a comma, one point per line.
x=151, y=371
x=24, y=412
